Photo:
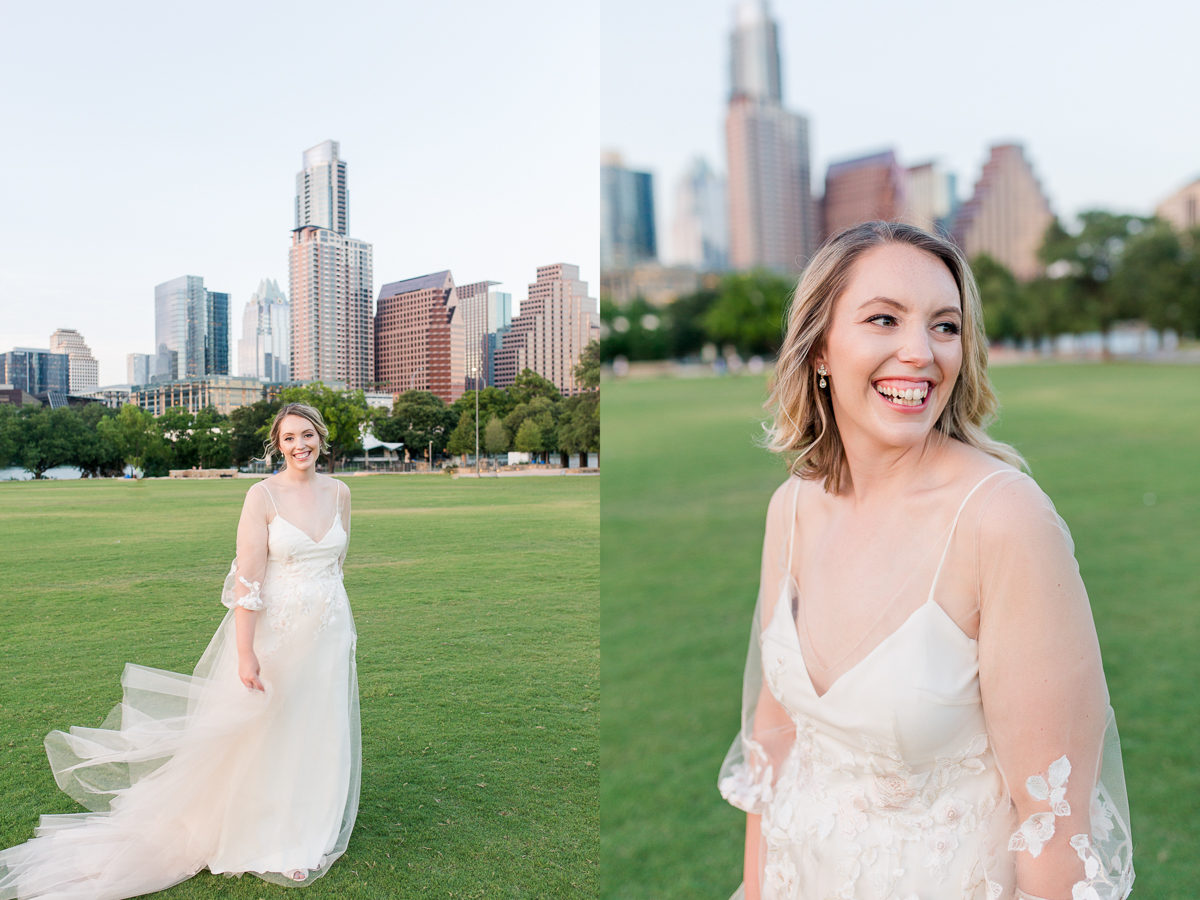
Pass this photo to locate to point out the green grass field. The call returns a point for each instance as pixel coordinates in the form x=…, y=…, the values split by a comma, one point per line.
x=685, y=496
x=477, y=607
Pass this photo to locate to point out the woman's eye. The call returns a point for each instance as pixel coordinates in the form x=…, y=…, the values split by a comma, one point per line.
x=883, y=319
x=947, y=327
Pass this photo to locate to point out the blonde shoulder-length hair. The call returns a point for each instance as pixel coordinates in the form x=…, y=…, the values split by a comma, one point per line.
x=803, y=426
x=304, y=411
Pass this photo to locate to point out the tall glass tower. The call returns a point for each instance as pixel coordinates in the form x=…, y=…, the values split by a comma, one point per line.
x=191, y=330
x=321, y=196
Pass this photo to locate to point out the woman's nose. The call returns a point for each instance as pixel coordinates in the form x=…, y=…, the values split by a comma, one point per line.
x=916, y=348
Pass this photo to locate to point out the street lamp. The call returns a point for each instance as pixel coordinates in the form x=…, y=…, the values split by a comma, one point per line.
x=475, y=382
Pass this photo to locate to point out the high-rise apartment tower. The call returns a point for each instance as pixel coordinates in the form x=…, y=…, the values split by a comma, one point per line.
x=556, y=323
x=772, y=217
x=700, y=230
x=863, y=190
x=485, y=313
x=84, y=370
x=330, y=279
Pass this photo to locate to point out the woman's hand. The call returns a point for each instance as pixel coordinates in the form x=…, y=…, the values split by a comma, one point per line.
x=248, y=671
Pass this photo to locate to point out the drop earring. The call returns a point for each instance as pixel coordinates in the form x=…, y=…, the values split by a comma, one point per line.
x=822, y=371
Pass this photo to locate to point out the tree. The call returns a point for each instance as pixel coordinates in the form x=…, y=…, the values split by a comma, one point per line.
x=175, y=426
x=344, y=413
x=579, y=424
x=462, y=439
x=9, y=416
x=543, y=412
x=211, y=437
x=249, y=427
x=102, y=454
x=418, y=418
x=496, y=438
x=748, y=312
x=135, y=435
x=46, y=438
x=492, y=402
x=529, y=385
x=635, y=331
x=1001, y=297
x=587, y=370
x=529, y=437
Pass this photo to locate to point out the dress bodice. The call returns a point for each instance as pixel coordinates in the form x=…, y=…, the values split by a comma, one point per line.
x=288, y=545
x=888, y=784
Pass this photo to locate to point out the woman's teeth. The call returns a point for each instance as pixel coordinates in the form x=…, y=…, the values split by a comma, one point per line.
x=904, y=397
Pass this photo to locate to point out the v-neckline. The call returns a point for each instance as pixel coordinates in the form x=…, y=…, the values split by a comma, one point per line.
x=872, y=652
x=336, y=519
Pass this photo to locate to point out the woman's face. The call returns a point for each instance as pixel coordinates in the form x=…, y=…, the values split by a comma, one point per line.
x=299, y=442
x=894, y=348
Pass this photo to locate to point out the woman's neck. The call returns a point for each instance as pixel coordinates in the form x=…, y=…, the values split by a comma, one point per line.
x=877, y=474
x=298, y=478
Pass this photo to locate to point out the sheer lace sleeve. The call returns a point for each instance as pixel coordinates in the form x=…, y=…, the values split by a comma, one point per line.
x=244, y=581
x=748, y=774
x=1046, y=703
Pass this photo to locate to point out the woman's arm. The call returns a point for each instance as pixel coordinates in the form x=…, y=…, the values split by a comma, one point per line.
x=1042, y=683
x=248, y=571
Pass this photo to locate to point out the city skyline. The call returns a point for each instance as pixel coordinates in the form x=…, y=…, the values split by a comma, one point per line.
x=970, y=85
x=193, y=206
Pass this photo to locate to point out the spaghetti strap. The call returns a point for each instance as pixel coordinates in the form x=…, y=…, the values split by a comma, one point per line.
x=340, y=485
x=954, y=525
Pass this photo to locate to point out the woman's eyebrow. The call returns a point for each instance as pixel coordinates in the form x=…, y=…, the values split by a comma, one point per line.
x=886, y=301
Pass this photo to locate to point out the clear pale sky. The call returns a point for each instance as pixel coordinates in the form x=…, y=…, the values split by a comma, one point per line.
x=144, y=141
x=1102, y=94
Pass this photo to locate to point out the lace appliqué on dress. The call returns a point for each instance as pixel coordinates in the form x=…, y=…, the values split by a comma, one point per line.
x=1114, y=875
x=252, y=601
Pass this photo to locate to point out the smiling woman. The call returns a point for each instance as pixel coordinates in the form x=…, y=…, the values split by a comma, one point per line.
x=252, y=763
x=924, y=708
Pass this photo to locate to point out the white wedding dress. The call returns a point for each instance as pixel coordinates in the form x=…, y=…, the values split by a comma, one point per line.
x=194, y=772
x=925, y=763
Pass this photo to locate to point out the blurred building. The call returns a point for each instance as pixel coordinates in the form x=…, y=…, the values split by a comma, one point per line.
x=932, y=197
x=138, y=368
x=772, y=217
x=113, y=396
x=191, y=325
x=1182, y=208
x=556, y=323
x=36, y=371
x=265, y=348
x=627, y=235
x=1008, y=214
x=84, y=371
x=657, y=285
x=420, y=337
x=863, y=189
x=329, y=279
x=225, y=392
x=485, y=314
x=700, y=230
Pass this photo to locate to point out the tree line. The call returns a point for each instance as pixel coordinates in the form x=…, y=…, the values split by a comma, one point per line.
x=531, y=415
x=1111, y=268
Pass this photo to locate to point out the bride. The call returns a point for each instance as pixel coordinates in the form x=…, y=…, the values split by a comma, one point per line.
x=252, y=763
x=924, y=708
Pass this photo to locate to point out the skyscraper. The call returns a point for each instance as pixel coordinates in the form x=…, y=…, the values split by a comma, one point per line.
x=1008, y=214
x=191, y=326
x=772, y=217
x=700, y=230
x=484, y=313
x=138, y=368
x=419, y=336
x=556, y=323
x=863, y=190
x=265, y=349
x=330, y=279
x=84, y=372
x=932, y=195
x=36, y=371
x=1182, y=208
x=627, y=235
x=321, y=195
